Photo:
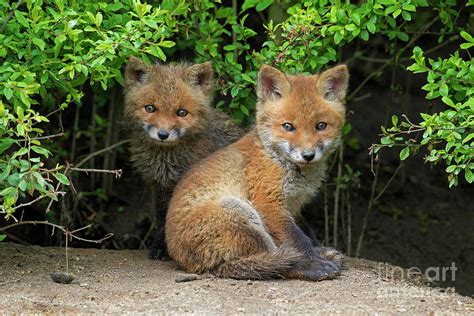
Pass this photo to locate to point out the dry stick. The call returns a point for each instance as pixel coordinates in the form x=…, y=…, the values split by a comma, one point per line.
x=8, y=282
x=43, y=137
x=61, y=228
x=234, y=34
x=336, y=196
x=36, y=200
x=349, y=223
x=83, y=161
x=326, y=216
x=117, y=172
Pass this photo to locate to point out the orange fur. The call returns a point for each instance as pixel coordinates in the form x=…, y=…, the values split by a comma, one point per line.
x=233, y=213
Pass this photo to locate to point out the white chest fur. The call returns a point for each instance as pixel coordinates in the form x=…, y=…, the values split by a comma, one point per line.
x=300, y=186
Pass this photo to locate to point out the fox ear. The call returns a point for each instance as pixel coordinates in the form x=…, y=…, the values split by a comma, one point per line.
x=271, y=83
x=135, y=72
x=201, y=76
x=333, y=83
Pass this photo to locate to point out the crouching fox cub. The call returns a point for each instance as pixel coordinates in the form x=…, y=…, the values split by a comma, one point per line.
x=233, y=213
x=171, y=125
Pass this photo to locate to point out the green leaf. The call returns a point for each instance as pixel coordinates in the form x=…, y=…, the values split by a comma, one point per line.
x=156, y=51
x=469, y=175
x=404, y=153
x=22, y=185
x=6, y=143
x=443, y=90
x=371, y=27
x=448, y=101
x=21, y=19
x=403, y=36
x=41, y=151
x=39, y=42
x=451, y=168
x=167, y=44
x=395, y=120
x=249, y=4
x=61, y=178
x=8, y=93
x=467, y=36
x=263, y=4
x=2, y=237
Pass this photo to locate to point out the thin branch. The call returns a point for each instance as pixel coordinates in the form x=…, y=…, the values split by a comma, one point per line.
x=117, y=172
x=37, y=199
x=8, y=282
x=388, y=182
x=83, y=161
x=61, y=228
x=42, y=137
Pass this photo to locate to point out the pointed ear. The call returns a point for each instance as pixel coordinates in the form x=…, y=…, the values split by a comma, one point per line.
x=333, y=83
x=271, y=83
x=200, y=76
x=135, y=72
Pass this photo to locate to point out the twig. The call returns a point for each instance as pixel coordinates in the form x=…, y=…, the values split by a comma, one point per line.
x=61, y=228
x=8, y=282
x=83, y=161
x=117, y=172
x=382, y=191
x=337, y=194
x=37, y=199
x=42, y=137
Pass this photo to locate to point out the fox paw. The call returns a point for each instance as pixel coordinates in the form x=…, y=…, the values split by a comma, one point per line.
x=316, y=270
x=159, y=253
x=330, y=254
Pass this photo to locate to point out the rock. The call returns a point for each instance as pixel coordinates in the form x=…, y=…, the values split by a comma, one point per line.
x=62, y=277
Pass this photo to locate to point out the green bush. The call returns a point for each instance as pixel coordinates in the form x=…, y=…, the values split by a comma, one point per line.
x=49, y=51
x=52, y=50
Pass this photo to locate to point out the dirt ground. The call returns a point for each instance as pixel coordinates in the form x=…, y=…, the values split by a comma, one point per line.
x=109, y=281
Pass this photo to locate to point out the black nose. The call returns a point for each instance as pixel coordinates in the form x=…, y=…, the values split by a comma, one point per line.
x=163, y=135
x=308, y=155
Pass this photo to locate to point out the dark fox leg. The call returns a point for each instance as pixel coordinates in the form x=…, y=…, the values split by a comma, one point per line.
x=316, y=267
x=158, y=249
x=325, y=252
x=308, y=231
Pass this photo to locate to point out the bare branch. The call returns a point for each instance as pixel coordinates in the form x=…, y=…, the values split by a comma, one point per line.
x=66, y=231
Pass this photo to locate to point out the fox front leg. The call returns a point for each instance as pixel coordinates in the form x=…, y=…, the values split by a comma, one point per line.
x=158, y=249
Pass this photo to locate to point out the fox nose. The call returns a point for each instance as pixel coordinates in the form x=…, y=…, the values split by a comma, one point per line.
x=308, y=155
x=163, y=135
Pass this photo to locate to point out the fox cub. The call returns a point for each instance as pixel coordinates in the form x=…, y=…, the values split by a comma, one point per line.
x=172, y=126
x=233, y=214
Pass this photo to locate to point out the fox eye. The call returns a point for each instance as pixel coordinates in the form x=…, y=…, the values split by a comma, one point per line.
x=150, y=108
x=181, y=112
x=288, y=127
x=321, y=126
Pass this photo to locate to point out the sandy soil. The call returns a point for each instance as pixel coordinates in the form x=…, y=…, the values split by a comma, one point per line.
x=110, y=281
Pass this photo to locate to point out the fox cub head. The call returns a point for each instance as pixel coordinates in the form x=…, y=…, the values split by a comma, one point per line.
x=300, y=118
x=168, y=103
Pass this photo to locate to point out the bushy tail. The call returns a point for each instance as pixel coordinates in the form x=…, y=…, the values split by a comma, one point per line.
x=260, y=266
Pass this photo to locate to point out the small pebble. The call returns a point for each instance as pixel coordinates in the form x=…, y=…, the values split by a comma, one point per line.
x=61, y=277
x=187, y=278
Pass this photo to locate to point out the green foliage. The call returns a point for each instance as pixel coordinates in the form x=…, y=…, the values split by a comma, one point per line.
x=449, y=133
x=49, y=50
x=52, y=50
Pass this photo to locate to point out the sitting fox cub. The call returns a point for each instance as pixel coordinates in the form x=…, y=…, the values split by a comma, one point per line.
x=233, y=213
x=171, y=126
